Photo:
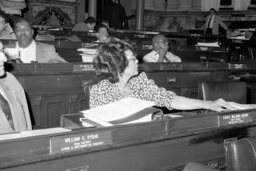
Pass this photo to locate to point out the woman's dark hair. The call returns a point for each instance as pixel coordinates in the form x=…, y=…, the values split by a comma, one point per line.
x=111, y=61
x=90, y=20
x=98, y=27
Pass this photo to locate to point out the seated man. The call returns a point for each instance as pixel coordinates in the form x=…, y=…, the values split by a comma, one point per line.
x=160, y=51
x=6, y=31
x=87, y=25
x=102, y=34
x=14, y=113
x=27, y=49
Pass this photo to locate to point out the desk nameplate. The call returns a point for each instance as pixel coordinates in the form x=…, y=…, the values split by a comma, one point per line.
x=79, y=141
x=83, y=67
x=231, y=119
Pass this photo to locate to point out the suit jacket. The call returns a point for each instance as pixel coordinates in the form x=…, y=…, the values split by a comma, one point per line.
x=80, y=27
x=15, y=96
x=45, y=53
x=216, y=23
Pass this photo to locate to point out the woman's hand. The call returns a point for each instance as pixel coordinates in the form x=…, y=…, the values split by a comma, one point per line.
x=220, y=105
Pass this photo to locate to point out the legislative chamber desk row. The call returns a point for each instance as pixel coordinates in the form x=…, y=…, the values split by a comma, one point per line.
x=237, y=49
x=160, y=145
x=56, y=89
x=69, y=51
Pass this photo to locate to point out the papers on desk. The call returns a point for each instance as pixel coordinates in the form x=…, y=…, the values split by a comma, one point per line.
x=88, y=54
x=247, y=29
x=241, y=37
x=38, y=132
x=239, y=106
x=124, y=111
x=208, y=44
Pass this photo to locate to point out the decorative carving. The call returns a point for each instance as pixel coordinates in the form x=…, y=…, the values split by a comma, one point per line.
x=52, y=16
x=36, y=100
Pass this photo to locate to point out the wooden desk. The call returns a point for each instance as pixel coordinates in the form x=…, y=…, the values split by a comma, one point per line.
x=160, y=145
x=56, y=89
x=188, y=53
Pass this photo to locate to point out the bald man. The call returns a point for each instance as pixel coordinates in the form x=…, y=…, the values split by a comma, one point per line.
x=160, y=51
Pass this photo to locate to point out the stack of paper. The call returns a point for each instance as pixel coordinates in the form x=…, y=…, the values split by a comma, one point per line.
x=241, y=37
x=127, y=110
x=87, y=54
x=212, y=44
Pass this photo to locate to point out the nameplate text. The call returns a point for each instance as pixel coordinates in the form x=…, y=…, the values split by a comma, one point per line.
x=79, y=141
x=231, y=119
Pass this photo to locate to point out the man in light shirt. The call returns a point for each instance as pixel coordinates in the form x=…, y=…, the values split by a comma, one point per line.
x=27, y=49
x=160, y=51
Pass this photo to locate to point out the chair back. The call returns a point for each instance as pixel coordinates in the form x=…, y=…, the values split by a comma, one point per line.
x=235, y=91
x=241, y=154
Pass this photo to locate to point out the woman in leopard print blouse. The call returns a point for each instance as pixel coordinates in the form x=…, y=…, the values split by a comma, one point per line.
x=117, y=70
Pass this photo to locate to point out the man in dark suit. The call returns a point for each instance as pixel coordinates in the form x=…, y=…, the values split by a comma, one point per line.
x=213, y=22
x=114, y=12
x=27, y=49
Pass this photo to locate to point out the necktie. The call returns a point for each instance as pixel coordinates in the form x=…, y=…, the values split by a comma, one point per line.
x=209, y=23
x=6, y=109
x=166, y=59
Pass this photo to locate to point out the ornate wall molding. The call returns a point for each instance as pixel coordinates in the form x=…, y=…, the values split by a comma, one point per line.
x=53, y=13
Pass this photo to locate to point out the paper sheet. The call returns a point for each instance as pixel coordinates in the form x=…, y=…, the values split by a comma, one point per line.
x=120, y=109
x=37, y=132
x=213, y=44
x=242, y=106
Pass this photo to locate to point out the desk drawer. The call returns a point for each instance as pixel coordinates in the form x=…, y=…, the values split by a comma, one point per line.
x=186, y=78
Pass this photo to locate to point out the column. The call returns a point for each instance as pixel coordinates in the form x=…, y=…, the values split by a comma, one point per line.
x=140, y=14
x=92, y=11
x=80, y=16
x=172, y=5
x=185, y=5
x=196, y=5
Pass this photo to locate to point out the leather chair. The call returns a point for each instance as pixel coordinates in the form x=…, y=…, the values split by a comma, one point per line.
x=241, y=155
x=235, y=91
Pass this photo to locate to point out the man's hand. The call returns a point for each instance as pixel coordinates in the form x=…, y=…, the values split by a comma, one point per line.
x=162, y=52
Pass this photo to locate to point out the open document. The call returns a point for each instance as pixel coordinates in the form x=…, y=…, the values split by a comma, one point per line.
x=127, y=110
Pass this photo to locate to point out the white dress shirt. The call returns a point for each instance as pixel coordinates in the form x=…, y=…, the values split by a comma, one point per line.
x=210, y=21
x=27, y=54
x=153, y=56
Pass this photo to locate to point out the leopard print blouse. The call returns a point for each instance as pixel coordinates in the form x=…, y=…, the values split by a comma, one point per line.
x=139, y=87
